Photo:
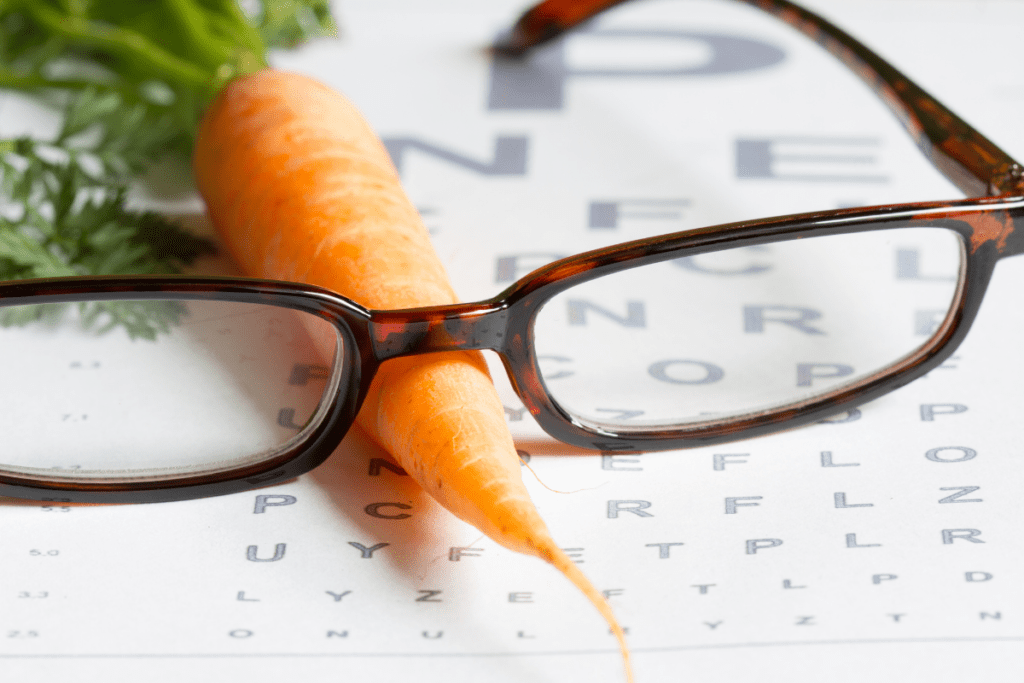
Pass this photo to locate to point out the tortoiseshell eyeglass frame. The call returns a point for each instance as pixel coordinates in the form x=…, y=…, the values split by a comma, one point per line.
x=991, y=226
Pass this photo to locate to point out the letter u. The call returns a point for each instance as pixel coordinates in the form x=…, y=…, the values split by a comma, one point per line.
x=251, y=553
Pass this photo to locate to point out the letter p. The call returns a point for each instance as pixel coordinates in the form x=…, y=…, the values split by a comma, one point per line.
x=264, y=502
x=756, y=544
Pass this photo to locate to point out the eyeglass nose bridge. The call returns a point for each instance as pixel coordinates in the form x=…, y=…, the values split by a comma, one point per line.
x=458, y=327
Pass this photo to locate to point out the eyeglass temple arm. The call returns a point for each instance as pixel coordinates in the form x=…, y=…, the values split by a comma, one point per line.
x=966, y=157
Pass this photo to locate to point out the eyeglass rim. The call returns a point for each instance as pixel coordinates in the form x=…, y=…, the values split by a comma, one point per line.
x=972, y=220
x=295, y=459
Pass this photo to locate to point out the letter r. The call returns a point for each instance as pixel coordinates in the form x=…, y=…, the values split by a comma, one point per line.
x=637, y=507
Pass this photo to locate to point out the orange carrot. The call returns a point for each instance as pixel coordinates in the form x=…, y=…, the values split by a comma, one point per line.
x=300, y=189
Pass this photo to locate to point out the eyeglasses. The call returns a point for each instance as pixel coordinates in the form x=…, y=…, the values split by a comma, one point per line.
x=222, y=385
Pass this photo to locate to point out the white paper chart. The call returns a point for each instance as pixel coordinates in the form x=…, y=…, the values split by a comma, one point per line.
x=882, y=544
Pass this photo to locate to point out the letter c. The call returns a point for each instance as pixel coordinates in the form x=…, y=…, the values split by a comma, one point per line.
x=373, y=509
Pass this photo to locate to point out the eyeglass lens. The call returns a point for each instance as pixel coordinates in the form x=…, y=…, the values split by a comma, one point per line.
x=736, y=331
x=130, y=390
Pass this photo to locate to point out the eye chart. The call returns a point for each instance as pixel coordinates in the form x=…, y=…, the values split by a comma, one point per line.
x=882, y=543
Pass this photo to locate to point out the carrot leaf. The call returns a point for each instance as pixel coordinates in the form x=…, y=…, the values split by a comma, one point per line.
x=289, y=23
x=130, y=80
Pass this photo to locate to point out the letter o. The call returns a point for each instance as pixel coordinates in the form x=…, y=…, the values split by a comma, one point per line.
x=659, y=371
x=240, y=633
x=373, y=509
x=965, y=454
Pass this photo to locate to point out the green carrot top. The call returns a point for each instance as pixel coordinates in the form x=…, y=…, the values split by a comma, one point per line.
x=130, y=79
